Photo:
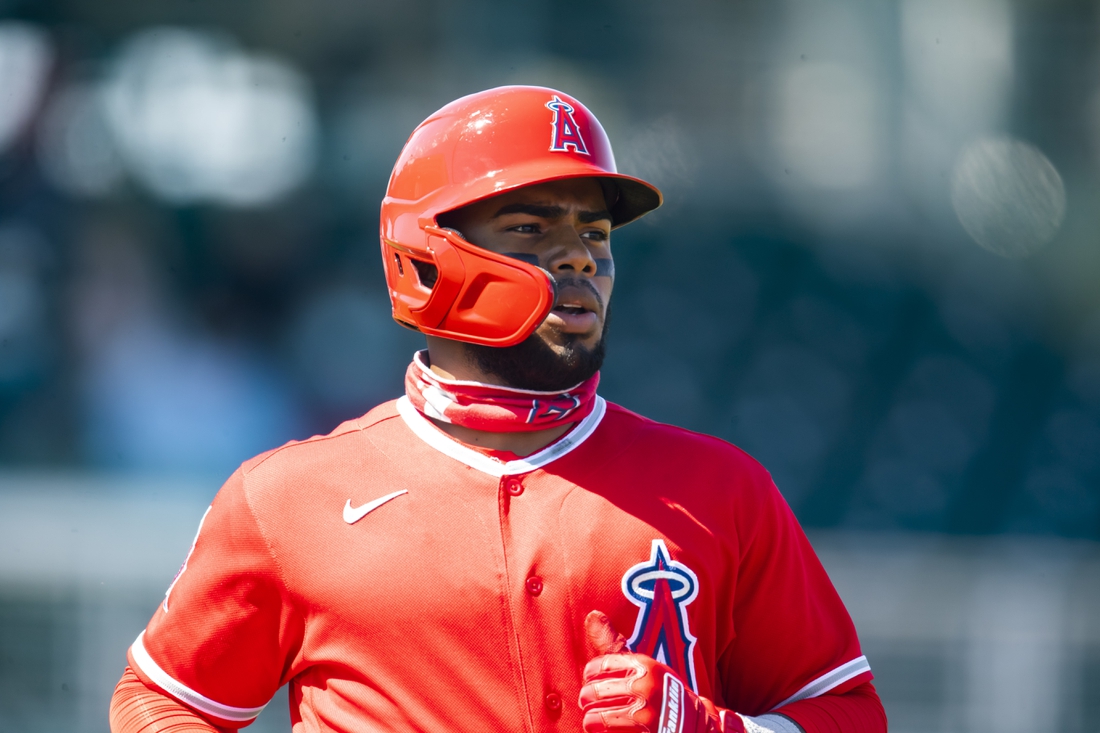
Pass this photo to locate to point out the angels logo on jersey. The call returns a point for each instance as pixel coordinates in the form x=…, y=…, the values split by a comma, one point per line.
x=662, y=588
x=567, y=133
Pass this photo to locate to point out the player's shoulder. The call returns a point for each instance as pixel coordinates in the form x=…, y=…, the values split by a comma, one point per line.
x=703, y=472
x=649, y=437
x=349, y=441
x=289, y=490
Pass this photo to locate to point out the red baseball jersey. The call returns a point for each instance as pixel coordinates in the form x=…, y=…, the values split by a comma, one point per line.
x=402, y=581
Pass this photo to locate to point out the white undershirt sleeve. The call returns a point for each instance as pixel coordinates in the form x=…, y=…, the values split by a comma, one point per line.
x=770, y=723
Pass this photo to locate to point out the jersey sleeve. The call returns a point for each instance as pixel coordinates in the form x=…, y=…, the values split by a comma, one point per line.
x=793, y=636
x=858, y=709
x=227, y=630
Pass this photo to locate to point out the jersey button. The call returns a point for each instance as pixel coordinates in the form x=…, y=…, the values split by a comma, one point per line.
x=553, y=702
x=513, y=487
x=534, y=585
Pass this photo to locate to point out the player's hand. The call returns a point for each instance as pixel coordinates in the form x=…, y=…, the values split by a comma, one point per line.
x=627, y=692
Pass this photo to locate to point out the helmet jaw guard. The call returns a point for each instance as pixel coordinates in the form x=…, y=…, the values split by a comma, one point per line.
x=474, y=148
x=478, y=296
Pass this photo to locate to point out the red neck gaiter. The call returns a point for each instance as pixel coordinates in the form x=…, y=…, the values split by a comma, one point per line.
x=493, y=408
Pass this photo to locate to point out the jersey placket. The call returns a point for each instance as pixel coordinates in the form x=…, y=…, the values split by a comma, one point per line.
x=538, y=598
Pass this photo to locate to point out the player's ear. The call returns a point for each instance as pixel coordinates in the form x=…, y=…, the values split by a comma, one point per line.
x=601, y=636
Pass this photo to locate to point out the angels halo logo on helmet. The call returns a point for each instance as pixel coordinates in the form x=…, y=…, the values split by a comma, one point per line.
x=566, y=134
x=475, y=147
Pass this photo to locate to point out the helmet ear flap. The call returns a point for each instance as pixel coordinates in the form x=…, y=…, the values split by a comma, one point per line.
x=532, y=260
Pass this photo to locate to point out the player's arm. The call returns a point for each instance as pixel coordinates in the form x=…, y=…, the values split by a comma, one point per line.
x=220, y=643
x=796, y=653
x=858, y=709
x=137, y=708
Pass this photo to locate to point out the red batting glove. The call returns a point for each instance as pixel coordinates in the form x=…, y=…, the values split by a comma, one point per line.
x=627, y=692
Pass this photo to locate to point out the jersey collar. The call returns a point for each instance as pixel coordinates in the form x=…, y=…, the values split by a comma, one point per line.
x=447, y=445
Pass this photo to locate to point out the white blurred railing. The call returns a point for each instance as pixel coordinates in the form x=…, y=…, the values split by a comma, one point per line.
x=975, y=634
x=964, y=634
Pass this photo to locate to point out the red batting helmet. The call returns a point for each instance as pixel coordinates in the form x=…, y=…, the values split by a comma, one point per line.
x=476, y=147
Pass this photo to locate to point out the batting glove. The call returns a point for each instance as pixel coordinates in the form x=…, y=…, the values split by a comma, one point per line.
x=625, y=692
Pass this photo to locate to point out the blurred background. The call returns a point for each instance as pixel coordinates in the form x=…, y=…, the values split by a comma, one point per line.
x=877, y=270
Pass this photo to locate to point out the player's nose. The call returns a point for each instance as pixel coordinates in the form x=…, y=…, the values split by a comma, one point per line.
x=570, y=255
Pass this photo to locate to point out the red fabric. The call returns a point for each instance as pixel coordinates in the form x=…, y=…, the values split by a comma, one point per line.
x=494, y=408
x=458, y=605
x=136, y=708
x=858, y=710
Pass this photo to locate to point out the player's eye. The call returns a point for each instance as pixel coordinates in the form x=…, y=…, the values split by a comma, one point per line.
x=598, y=235
x=526, y=229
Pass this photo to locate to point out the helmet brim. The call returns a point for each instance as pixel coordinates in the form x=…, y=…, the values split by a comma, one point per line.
x=636, y=199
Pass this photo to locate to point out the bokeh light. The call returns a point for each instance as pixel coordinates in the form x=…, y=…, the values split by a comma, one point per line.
x=197, y=119
x=827, y=132
x=1008, y=196
x=25, y=57
x=959, y=67
x=959, y=58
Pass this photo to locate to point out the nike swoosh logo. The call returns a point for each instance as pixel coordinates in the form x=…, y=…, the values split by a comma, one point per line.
x=353, y=515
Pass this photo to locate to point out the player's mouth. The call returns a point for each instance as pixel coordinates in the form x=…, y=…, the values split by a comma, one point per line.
x=577, y=310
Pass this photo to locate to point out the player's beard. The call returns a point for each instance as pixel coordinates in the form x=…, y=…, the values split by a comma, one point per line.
x=533, y=364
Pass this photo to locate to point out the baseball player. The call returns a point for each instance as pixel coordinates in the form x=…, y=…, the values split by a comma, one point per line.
x=500, y=549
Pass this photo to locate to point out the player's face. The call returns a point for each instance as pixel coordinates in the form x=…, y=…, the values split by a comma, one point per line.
x=565, y=227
